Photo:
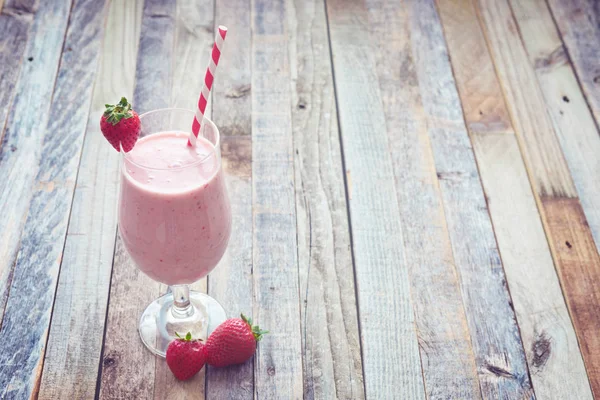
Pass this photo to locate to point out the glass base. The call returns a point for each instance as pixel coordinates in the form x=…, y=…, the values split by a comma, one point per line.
x=160, y=321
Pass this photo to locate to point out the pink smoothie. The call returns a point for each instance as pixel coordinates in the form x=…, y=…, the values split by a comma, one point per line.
x=174, y=215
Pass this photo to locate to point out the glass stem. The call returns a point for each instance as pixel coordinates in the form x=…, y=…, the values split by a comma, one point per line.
x=182, y=308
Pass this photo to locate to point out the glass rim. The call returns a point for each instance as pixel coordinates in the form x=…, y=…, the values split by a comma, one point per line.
x=215, y=146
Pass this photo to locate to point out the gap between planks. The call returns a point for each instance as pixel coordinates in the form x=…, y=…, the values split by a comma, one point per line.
x=83, y=288
x=568, y=233
x=544, y=322
x=330, y=337
x=49, y=180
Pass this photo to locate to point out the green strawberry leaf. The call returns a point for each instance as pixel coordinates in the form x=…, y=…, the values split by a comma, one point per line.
x=256, y=331
x=115, y=113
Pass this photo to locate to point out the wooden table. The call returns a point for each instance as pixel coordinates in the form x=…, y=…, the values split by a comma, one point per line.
x=415, y=189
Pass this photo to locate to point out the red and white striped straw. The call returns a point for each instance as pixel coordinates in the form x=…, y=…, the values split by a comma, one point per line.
x=208, y=81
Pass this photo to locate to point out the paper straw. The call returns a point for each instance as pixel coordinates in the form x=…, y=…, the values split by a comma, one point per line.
x=208, y=81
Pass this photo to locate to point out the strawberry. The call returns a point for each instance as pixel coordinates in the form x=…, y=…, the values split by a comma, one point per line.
x=233, y=342
x=185, y=357
x=120, y=125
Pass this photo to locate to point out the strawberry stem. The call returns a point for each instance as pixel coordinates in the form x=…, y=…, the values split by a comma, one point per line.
x=187, y=338
x=256, y=331
x=115, y=113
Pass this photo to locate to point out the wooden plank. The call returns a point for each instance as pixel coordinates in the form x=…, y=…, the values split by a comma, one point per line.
x=39, y=258
x=579, y=272
x=193, y=40
x=555, y=363
x=278, y=361
x=20, y=155
x=127, y=366
x=577, y=264
x=579, y=24
x=480, y=92
x=231, y=92
x=231, y=282
x=497, y=346
x=15, y=22
x=330, y=336
x=573, y=123
x=21, y=136
x=389, y=342
x=83, y=286
x=439, y=314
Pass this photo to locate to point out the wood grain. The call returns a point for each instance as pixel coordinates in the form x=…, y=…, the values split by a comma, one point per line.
x=573, y=123
x=231, y=282
x=554, y=360
x=525, y=103
x=194, y=38
x=278, y=360
x=21, y=135
x=439, y=315
x=562, y=215
x=193, y=42
x=579, y=272
x=15, y=22
x=59, y=149
x=82, y=293
x=127, y=366
x=231, y=91
x=497, y=346
x=579, y=24
x=331, y=348
x=390, y=348
x=19, y=158
x=480, y=92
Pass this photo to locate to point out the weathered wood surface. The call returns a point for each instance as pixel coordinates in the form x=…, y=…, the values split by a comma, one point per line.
x=439, y=314
x=278, y=360
x=20, y=132
x=127, y=367
x=15, y=22
x=579, y=24
x=573, y=122
x=231, y=91
x=43, y=167
x=495, y=337
x=83, y=286
x=546, y=330
x=390, y=348
x=193, y=39
x=575, y=256
x=555, y=362
x=578, y=268
x=362, y=237
x=231, y=281
x=331, y=348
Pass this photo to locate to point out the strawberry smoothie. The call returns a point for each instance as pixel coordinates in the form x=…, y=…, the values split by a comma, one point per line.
x=174, y=215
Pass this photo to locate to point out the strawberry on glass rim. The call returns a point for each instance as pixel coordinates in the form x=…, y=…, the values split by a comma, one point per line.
x=120, y=125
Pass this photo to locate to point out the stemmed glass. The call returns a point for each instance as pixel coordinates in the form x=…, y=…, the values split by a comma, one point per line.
x=175, y=222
